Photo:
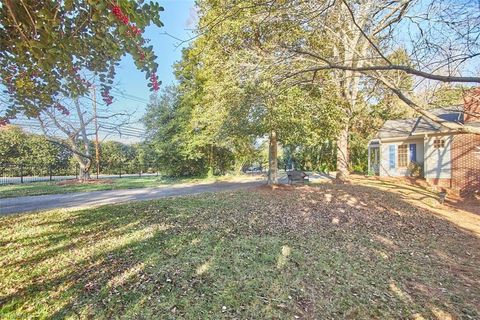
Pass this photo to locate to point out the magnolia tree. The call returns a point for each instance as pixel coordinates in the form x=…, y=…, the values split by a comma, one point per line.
x=48, y=48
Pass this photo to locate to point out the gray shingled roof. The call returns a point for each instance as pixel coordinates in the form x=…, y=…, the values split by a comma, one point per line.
x=420, y=125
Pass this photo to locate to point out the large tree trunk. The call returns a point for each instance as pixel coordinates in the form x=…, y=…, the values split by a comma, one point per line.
x=352, y=43
x=342, y=152
x=84, y=165
x=272, y=159
x=84, y=172
x=211, y=170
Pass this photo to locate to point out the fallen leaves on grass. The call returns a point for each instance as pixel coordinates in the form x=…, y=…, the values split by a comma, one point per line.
x=333, y=251
x=84, y=182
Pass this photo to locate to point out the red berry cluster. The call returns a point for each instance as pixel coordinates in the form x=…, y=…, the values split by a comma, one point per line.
x=123, y=18
x=135, y=30
x=4, y=122
x=62, y=109
x=86, y=82
x=117, y=12
x=107, y=97
x=140, y=51
x=154, y=81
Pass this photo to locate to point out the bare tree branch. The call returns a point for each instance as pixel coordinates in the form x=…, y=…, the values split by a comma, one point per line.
x=393, y=67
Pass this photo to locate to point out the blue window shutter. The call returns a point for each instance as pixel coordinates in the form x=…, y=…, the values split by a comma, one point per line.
x=391, y=152
x=413, y=152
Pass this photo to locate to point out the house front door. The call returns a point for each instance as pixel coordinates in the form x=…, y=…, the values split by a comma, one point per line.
x=374, y=160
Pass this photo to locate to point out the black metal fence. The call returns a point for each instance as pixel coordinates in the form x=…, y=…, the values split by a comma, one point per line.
x=25, y=173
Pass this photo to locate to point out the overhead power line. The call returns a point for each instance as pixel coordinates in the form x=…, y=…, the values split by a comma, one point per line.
x=109, y=125
x=131, y=97
x=110, y=130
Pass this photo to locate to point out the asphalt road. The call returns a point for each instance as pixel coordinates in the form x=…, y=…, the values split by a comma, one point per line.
x=97, y=198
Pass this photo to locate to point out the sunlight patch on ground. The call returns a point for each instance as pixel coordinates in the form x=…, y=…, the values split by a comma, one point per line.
x=398, y=212
x=382, y=254
x=306, y=213
x=441, y=315
x=418, y=316
x=328, y=197
x=399, y=293
x=88, y=246
x=425, y=199
x=385, y=241
x=112, y=243
x=352, y=201
x=283, y=256
x=120, y=279
x=201, y=269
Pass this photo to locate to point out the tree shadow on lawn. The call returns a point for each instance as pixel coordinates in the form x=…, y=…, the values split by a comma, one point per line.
x=415, y=188
x=331, y=251
x=465, y=213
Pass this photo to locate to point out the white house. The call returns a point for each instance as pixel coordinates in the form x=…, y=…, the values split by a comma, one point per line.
x=420, y=147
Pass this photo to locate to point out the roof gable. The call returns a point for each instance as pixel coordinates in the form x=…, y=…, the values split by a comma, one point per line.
x=420, y=125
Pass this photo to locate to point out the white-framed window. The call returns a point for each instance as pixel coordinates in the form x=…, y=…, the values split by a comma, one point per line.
x=438, y=143
x=402, y=156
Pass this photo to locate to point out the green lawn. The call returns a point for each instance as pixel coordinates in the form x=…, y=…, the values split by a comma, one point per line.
x=331, y=251
x=55, y=187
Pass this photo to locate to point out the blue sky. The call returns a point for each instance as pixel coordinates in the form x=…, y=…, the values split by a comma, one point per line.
x=178, y=19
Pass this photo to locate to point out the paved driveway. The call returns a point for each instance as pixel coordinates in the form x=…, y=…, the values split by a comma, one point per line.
x=96, y=198
x=313, y=177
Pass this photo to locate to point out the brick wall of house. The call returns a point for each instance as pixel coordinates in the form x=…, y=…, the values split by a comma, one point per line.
x=466, y=163
x=472, y=106
x=440, y=182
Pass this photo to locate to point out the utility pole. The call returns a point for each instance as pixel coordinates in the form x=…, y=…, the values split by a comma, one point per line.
x=97, y=147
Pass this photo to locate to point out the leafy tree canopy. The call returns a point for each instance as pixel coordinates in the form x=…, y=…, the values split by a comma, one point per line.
x=52, y=48
x=19, y=147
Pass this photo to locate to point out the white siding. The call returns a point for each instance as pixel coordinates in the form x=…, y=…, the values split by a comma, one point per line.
x=385, y=170
x=438, y=160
